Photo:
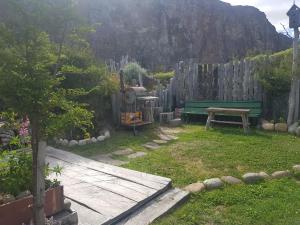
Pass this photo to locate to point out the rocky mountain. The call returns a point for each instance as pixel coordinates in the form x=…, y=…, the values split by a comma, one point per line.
x=159, y=33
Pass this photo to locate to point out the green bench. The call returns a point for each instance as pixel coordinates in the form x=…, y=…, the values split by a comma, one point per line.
x=200, y=107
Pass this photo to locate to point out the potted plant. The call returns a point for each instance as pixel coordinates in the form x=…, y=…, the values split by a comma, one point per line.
x=16, y=180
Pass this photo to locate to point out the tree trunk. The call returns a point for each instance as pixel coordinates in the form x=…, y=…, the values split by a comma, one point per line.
x=293, y=115
x=38, y=165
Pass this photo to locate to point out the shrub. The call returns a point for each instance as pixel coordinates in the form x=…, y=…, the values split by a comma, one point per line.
x=16, y=172
x=164, y=77
x=132, y=71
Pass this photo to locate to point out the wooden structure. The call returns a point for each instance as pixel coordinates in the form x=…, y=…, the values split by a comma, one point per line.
x=243, y=113
x=106, y=194
x=200, y=107
x=137, y=107
x=294, y=98
x=233, y=81
x=294, y=16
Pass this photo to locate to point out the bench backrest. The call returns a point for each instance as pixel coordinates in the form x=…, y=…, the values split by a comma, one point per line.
x=199, y=107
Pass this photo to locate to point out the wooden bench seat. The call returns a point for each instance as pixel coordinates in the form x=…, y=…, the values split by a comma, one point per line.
x=247, y=109
x=199, y=107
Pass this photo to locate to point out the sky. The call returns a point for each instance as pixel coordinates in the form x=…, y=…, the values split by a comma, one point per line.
x=275, y=9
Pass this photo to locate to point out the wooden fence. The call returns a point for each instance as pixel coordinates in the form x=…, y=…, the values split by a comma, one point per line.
x=193, y=81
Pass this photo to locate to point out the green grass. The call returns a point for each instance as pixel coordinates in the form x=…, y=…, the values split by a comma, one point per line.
x=200, y=154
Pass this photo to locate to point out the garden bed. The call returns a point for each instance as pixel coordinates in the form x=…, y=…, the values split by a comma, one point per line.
x=20, y=211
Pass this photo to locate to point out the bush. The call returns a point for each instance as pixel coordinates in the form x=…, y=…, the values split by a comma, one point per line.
x=16, y=172
x=164, y=77
x=132, y=71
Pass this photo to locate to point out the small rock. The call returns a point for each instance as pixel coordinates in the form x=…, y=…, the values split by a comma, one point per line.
x=94, y=140
x=281, y=174
x=281, y=127
x=213, y=183
x=23, y=194
x=296, y=168
x=1, y=199
x=252, y=178
x=107, y=134
x=101, y=138
x=137, y=155
x=298, y=131
x=264, y=175
x=123, y=152
x=160, y=142
x=73, y=143
x=268, y=126
x=82, y=142
x=60, y=141
x=194, y=188
x=151, y=146
x=67, y=204
x=88, y=141
x=231, y=180
x=65, y=142
x=8, y=198
x=293, y=128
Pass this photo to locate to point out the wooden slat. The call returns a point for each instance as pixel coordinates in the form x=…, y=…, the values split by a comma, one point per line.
x=227, y=122
x=228, y=111
x=148, y=180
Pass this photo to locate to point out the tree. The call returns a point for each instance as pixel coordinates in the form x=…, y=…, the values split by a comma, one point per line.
x=28, y=87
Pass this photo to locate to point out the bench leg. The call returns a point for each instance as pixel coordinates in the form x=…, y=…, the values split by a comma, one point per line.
x=209, y=119
x=245, y=123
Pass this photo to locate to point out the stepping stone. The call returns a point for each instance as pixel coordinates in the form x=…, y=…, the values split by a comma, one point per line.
x=213, y=183
x=194, y=188
x=281, y=174
x=231, y=180
x=172, y=137
x=164, y=137
x=296, y=168
x=137, y=155
x=265, y=175
x=252, y=178
x=151, y=146
x=160, y=142
x=123, y=152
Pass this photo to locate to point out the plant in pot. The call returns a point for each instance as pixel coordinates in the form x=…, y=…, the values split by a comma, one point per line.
x=16, y=188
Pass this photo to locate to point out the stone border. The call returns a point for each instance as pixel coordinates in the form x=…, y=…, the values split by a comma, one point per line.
x=72, y=143
x=248, y=178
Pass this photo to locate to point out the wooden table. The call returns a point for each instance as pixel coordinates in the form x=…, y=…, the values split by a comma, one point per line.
x=243, y=113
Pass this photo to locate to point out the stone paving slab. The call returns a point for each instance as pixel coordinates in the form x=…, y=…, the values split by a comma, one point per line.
x=151, y=146
x=123, y=152
x=136, y=155
x=160, y=142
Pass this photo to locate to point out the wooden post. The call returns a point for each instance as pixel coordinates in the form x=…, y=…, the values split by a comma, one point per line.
x=293, y=114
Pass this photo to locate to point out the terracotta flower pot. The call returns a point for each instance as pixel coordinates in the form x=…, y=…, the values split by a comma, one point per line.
x=20, y=211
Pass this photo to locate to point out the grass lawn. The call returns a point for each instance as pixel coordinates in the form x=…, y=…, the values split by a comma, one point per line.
x=200, y=154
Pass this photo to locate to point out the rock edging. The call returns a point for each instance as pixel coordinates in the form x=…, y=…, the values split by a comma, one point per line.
x=247, y=178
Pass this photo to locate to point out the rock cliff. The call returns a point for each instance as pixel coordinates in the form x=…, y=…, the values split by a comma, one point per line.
x=159, y=33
